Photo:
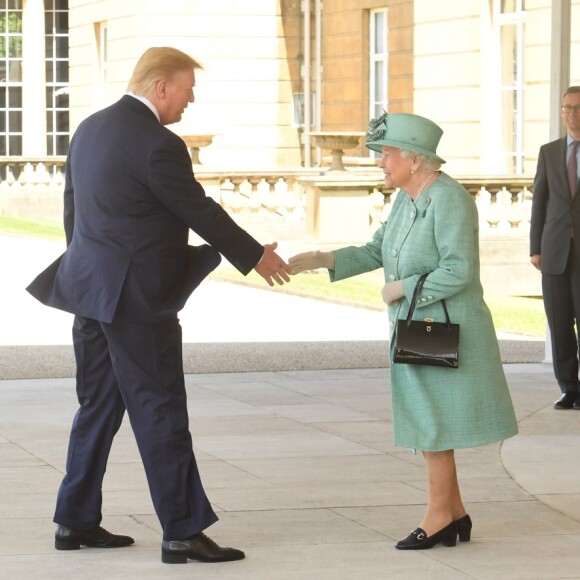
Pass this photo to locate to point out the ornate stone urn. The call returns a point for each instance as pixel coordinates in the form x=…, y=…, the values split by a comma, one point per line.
x=338, y=143
x=195, y=143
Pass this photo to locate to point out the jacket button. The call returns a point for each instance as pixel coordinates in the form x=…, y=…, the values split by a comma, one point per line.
x=391, y=277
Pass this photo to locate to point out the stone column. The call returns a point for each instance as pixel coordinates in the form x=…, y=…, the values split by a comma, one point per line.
x=33, y=80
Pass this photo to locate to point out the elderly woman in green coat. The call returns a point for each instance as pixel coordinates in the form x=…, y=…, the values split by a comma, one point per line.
x=432, y=229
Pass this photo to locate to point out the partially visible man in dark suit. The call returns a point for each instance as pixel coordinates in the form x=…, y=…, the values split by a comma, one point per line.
x=130, y=199
x=555, y=246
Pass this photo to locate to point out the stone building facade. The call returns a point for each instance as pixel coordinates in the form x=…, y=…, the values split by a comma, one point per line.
x=479, y=68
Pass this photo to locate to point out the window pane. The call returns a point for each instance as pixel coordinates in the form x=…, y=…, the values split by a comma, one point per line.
x=379, y=32
x=508, y=55
x=62, y=101
x=49, y=71
x=15, y=145
x=61, y=22
x=62, y=145
x=15, y=22
x=62, y=71
x=508, y=6
x=15, y=98
x=379, y=82
x=15, y=46
x=15, y=71
x=15, y=120
x=3, y=145
x=49, y=46
x=61, y=46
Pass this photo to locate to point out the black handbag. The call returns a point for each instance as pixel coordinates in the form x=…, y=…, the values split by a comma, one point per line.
x=424, y=342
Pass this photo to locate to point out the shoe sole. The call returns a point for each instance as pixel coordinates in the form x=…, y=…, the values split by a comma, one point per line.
x=168, y=558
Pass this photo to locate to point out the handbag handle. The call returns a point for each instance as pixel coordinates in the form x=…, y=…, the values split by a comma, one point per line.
x=415, y=299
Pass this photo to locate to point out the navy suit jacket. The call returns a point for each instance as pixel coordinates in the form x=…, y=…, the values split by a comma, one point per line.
x=555, y=212
x=130, y=199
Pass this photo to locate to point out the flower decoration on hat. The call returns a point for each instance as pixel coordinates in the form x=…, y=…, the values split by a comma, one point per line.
x=377, y=127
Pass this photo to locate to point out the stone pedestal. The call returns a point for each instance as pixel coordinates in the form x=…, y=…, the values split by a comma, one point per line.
x=338, y=143
x=195, y=143
x=338, y=208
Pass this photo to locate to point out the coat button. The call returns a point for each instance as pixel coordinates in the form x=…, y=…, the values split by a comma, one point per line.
x=394, y=252
x=429, y=297
x=391, y=277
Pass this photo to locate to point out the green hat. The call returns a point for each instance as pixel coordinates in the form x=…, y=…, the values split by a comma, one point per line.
x=404, y=131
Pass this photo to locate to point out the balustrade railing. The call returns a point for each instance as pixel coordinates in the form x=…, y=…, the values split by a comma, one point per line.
x=504, y=203
x=30, y=172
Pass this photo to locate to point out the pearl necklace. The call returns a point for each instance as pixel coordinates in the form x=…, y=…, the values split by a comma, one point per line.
x=422, y=186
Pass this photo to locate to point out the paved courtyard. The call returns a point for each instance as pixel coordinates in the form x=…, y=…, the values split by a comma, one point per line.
x=293, y=439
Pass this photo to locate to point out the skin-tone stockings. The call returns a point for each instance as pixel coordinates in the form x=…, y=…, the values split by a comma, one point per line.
x=444, y=502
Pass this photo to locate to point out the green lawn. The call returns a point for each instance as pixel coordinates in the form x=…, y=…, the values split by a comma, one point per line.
x=520, y=315
x=20, y=227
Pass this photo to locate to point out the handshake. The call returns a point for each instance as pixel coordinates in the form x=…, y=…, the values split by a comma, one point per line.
x=391, y=292
x=311, y=261
x=275, y=270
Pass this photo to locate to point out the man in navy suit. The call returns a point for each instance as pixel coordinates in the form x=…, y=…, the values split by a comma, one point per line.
x=555, y=246
x=130, y=199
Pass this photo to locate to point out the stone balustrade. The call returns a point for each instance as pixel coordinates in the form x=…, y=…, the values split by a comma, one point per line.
x=504, y=203
x=30, y=172
x=313, y=208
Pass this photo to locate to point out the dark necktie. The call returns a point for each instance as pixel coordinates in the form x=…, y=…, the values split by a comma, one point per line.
x=572, y=168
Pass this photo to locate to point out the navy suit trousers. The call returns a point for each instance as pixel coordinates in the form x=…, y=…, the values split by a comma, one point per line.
x=139, y=368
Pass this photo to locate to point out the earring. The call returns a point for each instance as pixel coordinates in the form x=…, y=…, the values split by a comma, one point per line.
x=412, y=171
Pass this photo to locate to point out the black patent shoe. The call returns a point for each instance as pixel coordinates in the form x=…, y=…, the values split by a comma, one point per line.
x=464, y=526
x=200, y=548
x=419, y=540
x=566, y=401
x=69, y=539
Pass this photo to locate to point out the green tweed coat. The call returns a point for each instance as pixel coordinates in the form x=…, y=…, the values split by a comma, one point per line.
x=434, y=408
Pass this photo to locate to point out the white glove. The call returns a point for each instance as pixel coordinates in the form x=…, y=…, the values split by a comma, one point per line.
x=311, y=261
x=392, y=291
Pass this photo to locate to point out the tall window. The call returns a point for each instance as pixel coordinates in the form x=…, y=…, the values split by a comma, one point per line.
x=57, y=81
x=378, y=63
x=11, y=77
x=510, y=18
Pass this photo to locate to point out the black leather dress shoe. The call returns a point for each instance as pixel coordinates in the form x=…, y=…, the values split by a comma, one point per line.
x=201, y=548
x=69, y=539
x=419, y=540
x=566, y=401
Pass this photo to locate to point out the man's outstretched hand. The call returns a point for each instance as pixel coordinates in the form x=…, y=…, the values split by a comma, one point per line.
x=272, y=267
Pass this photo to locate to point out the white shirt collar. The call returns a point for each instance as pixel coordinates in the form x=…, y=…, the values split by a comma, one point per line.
x=147, y=103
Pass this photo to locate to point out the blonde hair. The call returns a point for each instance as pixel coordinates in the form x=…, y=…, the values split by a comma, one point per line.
x=156, y=64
